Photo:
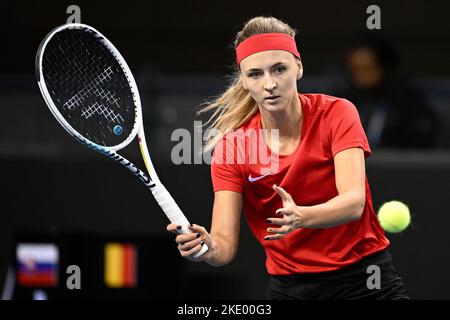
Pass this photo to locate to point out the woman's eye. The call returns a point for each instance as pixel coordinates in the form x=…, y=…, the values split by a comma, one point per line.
x=280, y=69
x=254, y=74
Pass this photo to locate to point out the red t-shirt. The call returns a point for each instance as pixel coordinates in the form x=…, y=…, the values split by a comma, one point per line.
x=329, y=126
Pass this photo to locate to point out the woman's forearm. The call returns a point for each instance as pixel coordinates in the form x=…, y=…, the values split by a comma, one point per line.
x=222, y=251
x=341, y=209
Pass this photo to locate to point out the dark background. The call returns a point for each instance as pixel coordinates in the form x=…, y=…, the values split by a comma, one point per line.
x=181, y=55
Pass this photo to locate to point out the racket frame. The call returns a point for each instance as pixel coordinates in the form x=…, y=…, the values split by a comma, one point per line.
x=162, y=196
x=123, y=65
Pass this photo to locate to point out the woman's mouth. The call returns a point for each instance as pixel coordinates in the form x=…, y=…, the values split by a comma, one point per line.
x=272, y=98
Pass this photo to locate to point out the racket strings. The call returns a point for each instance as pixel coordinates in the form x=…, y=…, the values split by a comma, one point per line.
x=89, y=87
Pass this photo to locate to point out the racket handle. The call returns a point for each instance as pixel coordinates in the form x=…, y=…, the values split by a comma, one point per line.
x=173, y=212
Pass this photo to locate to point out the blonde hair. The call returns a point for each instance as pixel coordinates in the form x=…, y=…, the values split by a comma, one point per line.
x=235, y=106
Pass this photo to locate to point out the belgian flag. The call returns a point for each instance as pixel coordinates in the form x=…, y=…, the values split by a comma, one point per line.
x=120, y=265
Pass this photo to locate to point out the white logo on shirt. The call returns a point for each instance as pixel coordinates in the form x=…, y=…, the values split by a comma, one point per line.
x=257, y=178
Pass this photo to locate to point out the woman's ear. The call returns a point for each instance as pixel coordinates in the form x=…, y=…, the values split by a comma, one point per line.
x=300, y=70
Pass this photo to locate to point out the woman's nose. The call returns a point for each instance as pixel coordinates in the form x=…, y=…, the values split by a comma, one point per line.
x=270, y=83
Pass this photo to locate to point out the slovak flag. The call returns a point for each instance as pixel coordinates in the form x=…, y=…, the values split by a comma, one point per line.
x=37, y=264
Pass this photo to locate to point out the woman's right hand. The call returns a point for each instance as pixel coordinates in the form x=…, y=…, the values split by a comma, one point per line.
x=191, y=243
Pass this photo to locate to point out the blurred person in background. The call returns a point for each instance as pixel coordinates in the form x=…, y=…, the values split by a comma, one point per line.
x=394, y=113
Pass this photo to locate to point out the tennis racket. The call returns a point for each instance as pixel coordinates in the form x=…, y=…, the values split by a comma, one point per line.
x=92, y=93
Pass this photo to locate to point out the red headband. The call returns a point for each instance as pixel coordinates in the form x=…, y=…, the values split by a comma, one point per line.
x=265, y=42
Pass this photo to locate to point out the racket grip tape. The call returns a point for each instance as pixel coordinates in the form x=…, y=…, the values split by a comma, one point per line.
x=173, y=212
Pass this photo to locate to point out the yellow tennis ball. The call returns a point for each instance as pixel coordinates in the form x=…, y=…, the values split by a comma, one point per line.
x=394, y=216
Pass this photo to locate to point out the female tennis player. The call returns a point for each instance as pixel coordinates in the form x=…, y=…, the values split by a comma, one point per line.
x=312, y=211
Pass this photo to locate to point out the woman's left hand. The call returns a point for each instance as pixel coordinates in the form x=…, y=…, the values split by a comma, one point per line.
x=292, y=216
